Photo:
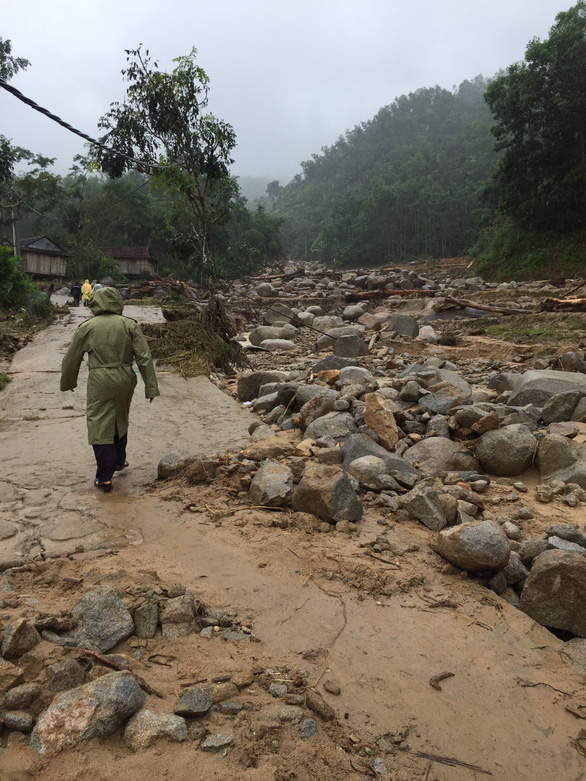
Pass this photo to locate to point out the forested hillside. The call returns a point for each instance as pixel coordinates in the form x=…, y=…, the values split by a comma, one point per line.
x=406, y=184
x=495, y=168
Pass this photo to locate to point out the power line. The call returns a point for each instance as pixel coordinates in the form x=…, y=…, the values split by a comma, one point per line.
x=55, y=118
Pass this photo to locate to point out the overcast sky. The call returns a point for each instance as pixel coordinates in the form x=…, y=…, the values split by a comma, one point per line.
x=289, y=75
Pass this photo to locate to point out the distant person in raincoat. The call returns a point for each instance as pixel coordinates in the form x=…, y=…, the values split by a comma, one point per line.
x=76, y=292
x=112, y=342
x=86, y=291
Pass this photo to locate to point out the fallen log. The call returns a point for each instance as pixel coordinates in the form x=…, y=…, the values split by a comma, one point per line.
x=465, y=303
x=573, y=290
x=372, y=295
x=563, y=305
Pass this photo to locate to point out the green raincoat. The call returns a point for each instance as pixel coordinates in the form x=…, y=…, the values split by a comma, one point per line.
x=112, y=342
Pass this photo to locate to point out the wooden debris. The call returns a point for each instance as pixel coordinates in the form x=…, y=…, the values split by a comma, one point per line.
x=451, y=761
x=563, y=305
x=435, y=679
x=447, y=302
x=373, y=295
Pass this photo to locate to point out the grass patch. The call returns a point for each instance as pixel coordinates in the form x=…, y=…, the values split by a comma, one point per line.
x=546, y=328
x=4, y=380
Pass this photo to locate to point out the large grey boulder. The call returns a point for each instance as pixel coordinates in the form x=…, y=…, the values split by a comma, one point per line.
x=172, y=463
x=102, y=620
x=350, y=346
x=560, y=458
x=475, y=547
x=326, y=491
x=445, y=399
x=423, y=504
x=146, y=728
x=539, y=385
x=506, y=451
x=334, y=425
x=371, y=472
x=278, y=312
x=249, y=384
x=555, y=591
x=356, y=375
x=272, y=485
x=404, y=325
x=94, y=710
x=438, y=454
x=358, y=445
x=560, y=407
x=263, y=332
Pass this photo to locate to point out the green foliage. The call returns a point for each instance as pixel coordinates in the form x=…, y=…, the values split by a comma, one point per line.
x=14, y=286
x=405, y=184
x=108, y=267
x=508, y=251
x=4, y=380
x=540, y=110
x=165, y=132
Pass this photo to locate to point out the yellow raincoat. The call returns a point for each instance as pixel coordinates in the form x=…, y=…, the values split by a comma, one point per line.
x=112, y=343
x=86, y=291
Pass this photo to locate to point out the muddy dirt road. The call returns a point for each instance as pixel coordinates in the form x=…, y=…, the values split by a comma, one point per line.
x=501, y=710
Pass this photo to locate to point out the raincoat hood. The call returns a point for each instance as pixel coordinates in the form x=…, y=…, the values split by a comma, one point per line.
x=106, y=300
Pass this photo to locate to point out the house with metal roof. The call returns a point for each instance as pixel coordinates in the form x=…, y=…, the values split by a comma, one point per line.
x=41, y=257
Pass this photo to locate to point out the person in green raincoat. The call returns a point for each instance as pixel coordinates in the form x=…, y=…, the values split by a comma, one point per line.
x=112, y=342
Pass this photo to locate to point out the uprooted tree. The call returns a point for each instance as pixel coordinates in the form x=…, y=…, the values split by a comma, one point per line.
x=162, y=129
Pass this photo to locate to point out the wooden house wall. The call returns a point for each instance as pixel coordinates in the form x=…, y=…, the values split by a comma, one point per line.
x=133, y=267
x=40, y=264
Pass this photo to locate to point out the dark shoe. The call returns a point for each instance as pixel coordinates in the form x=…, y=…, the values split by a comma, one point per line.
x=105, y=487
x=119, y=468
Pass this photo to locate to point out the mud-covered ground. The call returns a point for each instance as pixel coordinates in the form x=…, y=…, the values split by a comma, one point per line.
x=380, y=622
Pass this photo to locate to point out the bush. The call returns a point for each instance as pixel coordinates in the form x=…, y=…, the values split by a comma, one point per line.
x=14, y=285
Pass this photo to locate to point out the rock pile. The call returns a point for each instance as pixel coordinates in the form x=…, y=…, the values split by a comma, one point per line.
x=345, y=420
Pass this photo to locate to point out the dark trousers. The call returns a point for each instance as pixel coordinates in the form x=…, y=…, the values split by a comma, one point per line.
x=108, y=457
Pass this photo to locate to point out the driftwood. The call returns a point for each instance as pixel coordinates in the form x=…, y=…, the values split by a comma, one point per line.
x=120, y=668
x=573, y=290
x=370, y=295
x=563, y=305
x=450, y=761
x=449, y=303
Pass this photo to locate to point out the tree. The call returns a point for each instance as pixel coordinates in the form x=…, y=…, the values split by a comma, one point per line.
x=12, y=198
x=540, y=110
x=162, y=130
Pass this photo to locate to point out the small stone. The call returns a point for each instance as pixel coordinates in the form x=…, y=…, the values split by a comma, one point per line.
x=230, y=707
x=20, y=721
x=215, y=743
x=291, y=713
x=525, y=513
x=10, y=675
x=278, y=689
x=146, y=619
x=193, y=702
x=19, y=638
x=332, y=687
x=316, y=703
x=544, y=493
x=22, y=696
x=146, y=728
x=308, y=729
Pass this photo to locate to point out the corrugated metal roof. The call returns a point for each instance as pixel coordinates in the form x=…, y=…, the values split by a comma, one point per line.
x=42, y=244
